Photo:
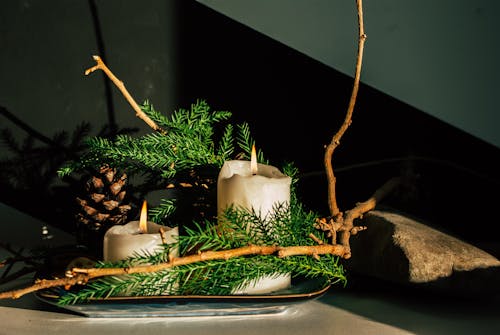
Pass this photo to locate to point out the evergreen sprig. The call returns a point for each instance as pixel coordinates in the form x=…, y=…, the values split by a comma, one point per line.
x=245, y=142
x=189, y=141
x=193, y=144
x=163, y=210
x=291, y=225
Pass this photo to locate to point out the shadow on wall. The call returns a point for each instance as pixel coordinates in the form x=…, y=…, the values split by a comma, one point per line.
x=294, y=105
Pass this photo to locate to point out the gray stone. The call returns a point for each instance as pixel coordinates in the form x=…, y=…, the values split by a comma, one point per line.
x=400, y=249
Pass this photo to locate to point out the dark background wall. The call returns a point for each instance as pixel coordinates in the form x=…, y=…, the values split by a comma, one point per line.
x=436, y=56
x=174, y=52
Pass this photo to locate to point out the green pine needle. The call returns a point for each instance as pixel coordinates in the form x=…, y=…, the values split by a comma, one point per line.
x=291, y=225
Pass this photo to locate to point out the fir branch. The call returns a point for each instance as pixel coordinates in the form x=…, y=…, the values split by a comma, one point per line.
x=245, y=142
x=309, y=267
x=162, y=211
x=208, y=237
x=154, y=115
x=139, y=284
x=226, y=146
x=222, y=277
x=197, y=121
x=244, y=139
x=188, y=144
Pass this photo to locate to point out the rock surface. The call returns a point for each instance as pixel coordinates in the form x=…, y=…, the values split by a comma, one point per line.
x=400, y=249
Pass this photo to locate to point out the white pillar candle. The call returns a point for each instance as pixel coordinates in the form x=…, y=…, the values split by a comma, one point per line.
x=239, y=187
x=123, y=241
x=138, y=238
x=261, y=190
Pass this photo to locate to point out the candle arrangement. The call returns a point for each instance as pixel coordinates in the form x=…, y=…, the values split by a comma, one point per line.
x=233, y=252
x=248, y=185
x=261, y=236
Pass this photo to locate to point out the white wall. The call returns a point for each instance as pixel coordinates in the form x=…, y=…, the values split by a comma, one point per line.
x=438, y=56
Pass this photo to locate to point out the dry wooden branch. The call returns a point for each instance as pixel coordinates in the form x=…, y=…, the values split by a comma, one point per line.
x=344, y=225
x=80, y=276
x=44, y=284
x=335, y=142
x=139, y=113
x=337, y=223
x=361, y=208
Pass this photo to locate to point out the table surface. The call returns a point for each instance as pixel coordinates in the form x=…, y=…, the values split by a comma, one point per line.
x=339, y=311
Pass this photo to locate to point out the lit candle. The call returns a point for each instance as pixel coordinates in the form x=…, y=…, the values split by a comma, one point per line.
x=250, y=185
x=261, y=187
x=136, y=238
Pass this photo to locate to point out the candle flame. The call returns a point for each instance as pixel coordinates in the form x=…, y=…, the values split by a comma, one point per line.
x=253, y=161
x=143, y=219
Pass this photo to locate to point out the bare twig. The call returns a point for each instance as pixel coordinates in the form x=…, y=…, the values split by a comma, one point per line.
x=42, y=284
x=139, y=113
x=337, y=223
x=80, y=276
x=344, y=225
x=361, y=208
x=332, y=199
x=315, y=239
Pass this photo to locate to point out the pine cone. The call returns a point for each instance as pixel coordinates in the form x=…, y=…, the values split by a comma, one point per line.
x=102, y=206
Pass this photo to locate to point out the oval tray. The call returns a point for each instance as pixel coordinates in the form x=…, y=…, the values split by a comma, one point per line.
x=193, y=305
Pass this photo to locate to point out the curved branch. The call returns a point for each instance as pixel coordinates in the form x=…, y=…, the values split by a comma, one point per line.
x=138, y=112
x=361, y=208
x=332, y=199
